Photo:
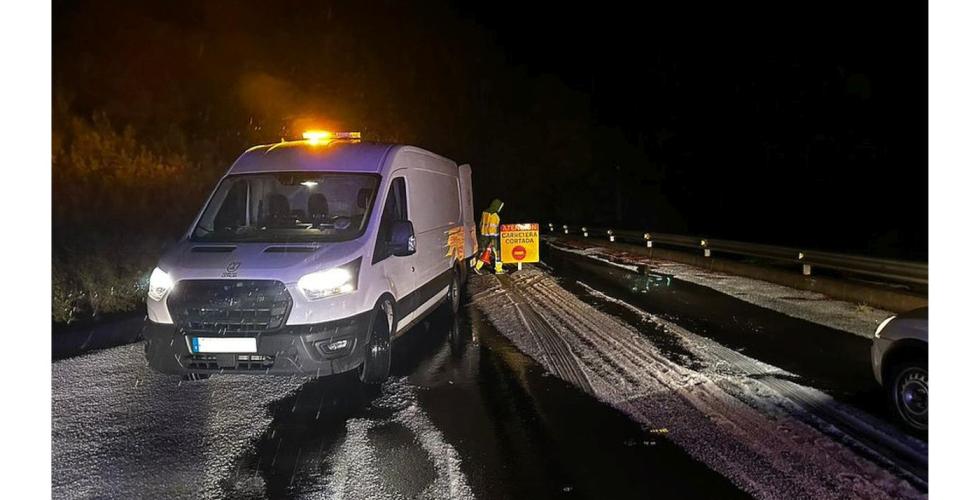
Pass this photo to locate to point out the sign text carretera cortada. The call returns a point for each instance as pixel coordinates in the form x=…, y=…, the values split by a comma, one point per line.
x=518, y=243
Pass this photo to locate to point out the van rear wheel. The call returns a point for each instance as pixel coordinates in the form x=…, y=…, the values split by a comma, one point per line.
x=455, y=292
x=377, y=352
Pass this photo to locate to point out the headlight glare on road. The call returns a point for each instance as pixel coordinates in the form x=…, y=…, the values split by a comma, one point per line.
x=160, y=284
x=882, y=325
x=327, y=283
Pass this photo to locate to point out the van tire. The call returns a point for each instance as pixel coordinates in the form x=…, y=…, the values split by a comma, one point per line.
x=455, y=293
x=377, y=353
x=463, y=269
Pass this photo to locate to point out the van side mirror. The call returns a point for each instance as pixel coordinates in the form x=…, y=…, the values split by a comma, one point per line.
x=401, y=238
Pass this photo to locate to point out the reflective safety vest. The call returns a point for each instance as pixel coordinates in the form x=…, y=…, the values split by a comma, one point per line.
x=489, y=223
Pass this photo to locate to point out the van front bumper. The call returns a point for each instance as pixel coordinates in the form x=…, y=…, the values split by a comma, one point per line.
x=290, y=350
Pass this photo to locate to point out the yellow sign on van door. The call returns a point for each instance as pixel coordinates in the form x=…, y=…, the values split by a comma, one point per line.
x=518, y=243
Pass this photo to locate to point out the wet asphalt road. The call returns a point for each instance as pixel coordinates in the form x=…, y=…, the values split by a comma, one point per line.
x=519, y=432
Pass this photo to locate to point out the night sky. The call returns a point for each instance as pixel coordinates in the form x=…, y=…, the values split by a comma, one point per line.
x=796, y=125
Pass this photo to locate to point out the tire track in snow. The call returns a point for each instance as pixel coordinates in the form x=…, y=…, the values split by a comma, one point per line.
x=761, y=447
x=869, y=434
x=558, y=352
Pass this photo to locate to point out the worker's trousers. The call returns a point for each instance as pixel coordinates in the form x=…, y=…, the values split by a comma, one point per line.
x=485, y=240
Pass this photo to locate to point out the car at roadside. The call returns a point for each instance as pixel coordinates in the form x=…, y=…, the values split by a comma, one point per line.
x=900, y=360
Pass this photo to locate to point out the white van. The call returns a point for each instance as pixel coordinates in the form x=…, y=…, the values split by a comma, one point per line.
x=309, y=258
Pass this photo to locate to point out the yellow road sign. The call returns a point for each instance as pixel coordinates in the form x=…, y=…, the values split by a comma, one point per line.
x=518, y=243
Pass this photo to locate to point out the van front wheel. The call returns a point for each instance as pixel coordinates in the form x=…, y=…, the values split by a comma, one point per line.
x=377, y=352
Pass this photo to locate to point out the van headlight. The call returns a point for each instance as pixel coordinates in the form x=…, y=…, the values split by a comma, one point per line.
x=330, y=282
x=160, y=284
x=882, y=325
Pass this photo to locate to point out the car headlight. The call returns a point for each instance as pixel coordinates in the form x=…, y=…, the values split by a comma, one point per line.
x=160, y=284
x=330, y=282
x=882, y=325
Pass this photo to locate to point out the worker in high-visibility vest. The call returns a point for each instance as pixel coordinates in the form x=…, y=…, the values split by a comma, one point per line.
x=490, y=236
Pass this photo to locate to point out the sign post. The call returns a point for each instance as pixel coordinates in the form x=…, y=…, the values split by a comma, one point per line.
x=519, y=244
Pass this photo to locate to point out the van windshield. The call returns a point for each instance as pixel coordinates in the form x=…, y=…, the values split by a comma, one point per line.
x=288, y=207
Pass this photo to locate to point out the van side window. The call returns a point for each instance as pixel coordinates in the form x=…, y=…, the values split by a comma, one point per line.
x=396, y=208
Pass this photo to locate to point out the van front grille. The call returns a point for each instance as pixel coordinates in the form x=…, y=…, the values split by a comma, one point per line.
x=239, y=362
x=229, y=306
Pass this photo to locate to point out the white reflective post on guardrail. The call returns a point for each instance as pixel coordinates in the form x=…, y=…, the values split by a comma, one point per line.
x=565, y=226
x=612, y=237
x=585, y=231
x=806, y=267
x=704, y=245
x=649, y=239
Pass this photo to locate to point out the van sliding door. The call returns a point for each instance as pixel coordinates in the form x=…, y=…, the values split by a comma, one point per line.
x=399, y=271
x=433, y=198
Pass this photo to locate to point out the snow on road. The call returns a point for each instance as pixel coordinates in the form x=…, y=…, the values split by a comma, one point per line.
x=803, y=304
x=120, y=430
x=861, y=430
x=361, y=466
x=721, y=415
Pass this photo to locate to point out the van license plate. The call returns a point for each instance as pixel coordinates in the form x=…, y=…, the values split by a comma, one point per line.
x=223, y=344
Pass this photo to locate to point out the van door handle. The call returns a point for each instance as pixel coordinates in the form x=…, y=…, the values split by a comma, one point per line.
x=413, y=269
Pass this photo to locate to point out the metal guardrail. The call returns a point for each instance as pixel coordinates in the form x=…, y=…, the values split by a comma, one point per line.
x=888, y=269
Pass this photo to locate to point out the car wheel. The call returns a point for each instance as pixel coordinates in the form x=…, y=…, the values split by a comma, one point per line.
x=454, y=293
x=908, y=389
x=196, y=376
x=377, y=352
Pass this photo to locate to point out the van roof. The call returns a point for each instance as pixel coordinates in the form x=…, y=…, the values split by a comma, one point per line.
x=292, y=156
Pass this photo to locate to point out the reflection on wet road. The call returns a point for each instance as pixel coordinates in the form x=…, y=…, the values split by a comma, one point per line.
x=465, y=413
